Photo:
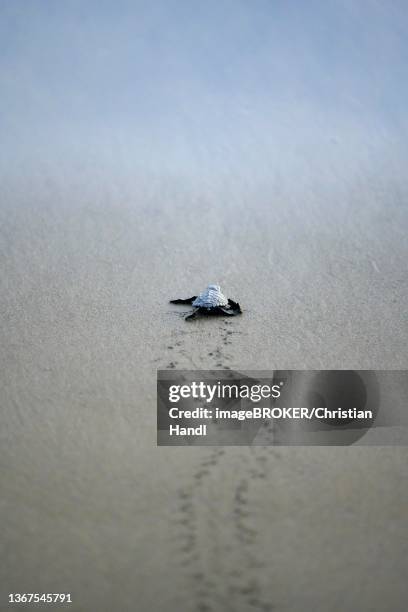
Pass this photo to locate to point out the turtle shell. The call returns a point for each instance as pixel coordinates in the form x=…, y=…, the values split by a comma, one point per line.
x=211, y=298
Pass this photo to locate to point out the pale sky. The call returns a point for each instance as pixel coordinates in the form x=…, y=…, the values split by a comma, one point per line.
x=193, y=88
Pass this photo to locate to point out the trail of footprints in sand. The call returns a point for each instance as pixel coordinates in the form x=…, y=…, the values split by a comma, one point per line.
x=219, y=554
x=221, y=565
x=182, y=358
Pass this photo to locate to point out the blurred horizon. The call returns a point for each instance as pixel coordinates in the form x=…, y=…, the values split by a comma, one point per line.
x=221, y=91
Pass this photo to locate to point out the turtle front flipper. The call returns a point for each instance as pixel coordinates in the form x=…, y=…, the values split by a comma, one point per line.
x=186, y=301
x=235, y=307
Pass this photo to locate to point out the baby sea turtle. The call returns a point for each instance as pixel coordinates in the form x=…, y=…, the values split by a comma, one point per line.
x=210, y=302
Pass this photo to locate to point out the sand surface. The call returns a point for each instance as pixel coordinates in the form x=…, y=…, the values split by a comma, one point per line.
x=301, y=215
x=91, y=505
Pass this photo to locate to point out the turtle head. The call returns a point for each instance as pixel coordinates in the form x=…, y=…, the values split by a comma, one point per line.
x=214, y=288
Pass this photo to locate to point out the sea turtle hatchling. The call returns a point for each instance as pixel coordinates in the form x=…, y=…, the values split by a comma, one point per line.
x=210, y=302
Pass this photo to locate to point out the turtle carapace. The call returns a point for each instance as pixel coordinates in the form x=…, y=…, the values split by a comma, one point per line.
x=210, y=302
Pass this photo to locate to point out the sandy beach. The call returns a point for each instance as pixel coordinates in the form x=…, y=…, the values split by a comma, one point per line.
x=100, y=227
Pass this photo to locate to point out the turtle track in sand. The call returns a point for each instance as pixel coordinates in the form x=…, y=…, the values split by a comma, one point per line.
x=179, y=357
x=218, y=535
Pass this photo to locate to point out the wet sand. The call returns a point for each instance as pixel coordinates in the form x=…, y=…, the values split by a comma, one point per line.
x=90, y=504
